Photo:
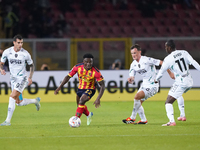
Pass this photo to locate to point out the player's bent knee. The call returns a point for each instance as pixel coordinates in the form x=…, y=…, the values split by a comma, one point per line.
x=82, y=102
x=138, y=97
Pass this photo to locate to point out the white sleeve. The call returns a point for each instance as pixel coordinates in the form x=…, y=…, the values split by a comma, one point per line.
x=154, y=61
x=162, y=70
x=29, y=60
x=193, y=62
x=4, y=56
x=132, y=72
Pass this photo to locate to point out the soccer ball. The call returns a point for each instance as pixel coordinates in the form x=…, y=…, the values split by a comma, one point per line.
x=74, y=122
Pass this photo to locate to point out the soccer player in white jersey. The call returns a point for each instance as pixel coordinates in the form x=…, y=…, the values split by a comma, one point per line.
x=178, y=62
x=17, y=58
x=145, y=66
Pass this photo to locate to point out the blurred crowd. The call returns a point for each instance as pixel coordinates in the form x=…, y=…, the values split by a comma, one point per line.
x=31, y=17
x=37, y=17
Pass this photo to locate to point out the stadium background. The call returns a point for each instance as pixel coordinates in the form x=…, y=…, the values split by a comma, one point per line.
x=58, y=33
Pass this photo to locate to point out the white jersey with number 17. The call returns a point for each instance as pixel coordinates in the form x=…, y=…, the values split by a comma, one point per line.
x=178, y=62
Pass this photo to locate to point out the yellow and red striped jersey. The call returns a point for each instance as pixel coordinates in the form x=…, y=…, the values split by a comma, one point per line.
x=87, y=78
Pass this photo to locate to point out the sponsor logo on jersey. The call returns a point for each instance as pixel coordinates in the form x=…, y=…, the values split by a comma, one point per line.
x=15, y=61
x=142, y=71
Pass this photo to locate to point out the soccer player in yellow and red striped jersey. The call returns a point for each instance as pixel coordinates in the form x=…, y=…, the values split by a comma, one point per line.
x=88, y=76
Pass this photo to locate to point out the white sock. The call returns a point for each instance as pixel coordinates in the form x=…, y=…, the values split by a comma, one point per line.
x=136, y=106
x=11, y=108
x=141, y=114
x=25, y=102
x=181, y=106
x=170, y=112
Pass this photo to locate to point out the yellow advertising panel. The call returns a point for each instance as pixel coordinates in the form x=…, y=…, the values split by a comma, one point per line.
x=192, y=94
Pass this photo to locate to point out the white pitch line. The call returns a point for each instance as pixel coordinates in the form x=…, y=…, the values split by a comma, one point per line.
x=81, y=136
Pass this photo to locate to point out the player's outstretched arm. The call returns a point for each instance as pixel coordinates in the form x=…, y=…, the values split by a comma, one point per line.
x=65, y=80
x=32, y=68
x=102, y=88
x=161, y=62
x=193, y=62
x=1, y=68
x=171, y=74
x=196, y=65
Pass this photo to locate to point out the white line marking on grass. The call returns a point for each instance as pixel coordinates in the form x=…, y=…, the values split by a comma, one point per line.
x=81, y=136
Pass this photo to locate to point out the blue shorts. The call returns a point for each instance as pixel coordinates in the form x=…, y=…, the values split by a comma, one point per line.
x=88, y=92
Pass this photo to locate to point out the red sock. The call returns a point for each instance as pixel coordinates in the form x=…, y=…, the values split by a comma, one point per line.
x=86, y=112
x=80, y=109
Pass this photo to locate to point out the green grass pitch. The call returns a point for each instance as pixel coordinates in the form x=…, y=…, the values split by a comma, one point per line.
x=48, y=129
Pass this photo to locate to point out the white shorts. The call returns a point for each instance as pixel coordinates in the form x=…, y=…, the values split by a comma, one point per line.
x=177, y=90
x=19, y=84
x=149, y=91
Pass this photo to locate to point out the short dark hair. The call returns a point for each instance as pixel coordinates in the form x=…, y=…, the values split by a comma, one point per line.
x=136, y=46
x=18, y=36
x=171, y=44
x=88, y=56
